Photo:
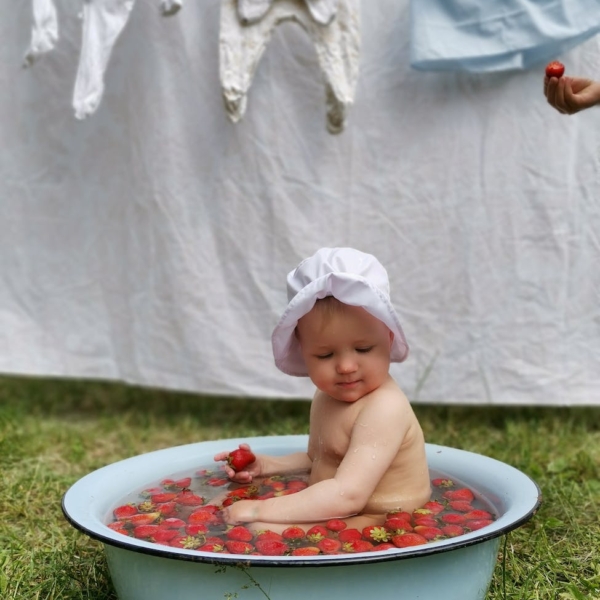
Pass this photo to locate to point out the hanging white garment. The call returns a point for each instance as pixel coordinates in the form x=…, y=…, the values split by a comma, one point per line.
x=170, y=7
x=476, y=36
x=322, y=11
x=103, y=21
x=44, y=33
x=243, y=41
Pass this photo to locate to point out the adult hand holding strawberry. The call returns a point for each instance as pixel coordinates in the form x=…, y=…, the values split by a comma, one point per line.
x=241, y=465
x=569, y=95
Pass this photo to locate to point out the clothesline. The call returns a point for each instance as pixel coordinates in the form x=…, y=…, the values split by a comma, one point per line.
x=445, y=35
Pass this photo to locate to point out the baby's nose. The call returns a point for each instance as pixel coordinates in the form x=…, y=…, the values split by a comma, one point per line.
x=346, y=365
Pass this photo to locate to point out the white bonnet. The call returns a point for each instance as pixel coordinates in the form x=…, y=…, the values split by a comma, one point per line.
x=351, y=276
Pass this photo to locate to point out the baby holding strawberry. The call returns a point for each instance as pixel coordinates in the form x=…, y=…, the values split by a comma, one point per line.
x=366, y=450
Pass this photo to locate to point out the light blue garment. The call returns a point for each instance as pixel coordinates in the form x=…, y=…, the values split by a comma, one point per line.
x=497, y=35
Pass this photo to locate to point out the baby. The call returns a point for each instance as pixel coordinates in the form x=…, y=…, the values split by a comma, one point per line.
x=366, y=451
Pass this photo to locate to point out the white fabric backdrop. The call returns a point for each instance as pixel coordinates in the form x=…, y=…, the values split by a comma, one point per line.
x=150, y=242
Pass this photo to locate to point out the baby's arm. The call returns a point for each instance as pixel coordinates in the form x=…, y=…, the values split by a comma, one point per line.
x=375, y=441
x=570, y=95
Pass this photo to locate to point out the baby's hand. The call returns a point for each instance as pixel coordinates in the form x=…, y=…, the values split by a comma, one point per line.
x=241, y=465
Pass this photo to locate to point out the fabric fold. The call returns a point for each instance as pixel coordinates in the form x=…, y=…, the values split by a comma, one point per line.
x=44, y=32
x=169, y=8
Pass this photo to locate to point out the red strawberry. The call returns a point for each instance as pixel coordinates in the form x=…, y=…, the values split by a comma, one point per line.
x=212, y=547
x=183, y=483
x=172, y=523
x=293, y=533
x=442, y=482
x=398, y=525
x=143, y=518
x=125, y=511
x=168, y=508
x=269, y=481
x=316, y=534
x=452, y=530
x=268, y=535
x=425, y=522
x=217, y=481
x=460, y=505
x=398, y=514
x=453, y=518
x=376, y=533
x=296, y=485
x=475, y=524
x=329, y=546
x=143, y=532
x=555, y=69
x=163, y=497
x=347, y=535
x=195, y=529
x=147, y=493
x=434, y=507
x=187, y=498
x=408, y=539
x=357, y=546
x=240, y=458
x=478, y=514
x=336, y=524
x=239, y=533
x=429, y=533
x=306, y=551
x=201, y=516
x=382, y=547
x=118, y=527
x=163, y=536
x=239, y=547
x=461, y=494
x=271, y=547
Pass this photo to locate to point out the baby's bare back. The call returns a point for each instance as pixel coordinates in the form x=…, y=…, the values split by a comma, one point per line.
x=391, y=444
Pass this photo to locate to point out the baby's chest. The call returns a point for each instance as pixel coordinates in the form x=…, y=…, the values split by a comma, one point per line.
x=331, y=433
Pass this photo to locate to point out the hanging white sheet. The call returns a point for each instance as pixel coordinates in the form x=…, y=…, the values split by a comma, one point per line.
x=149, y=243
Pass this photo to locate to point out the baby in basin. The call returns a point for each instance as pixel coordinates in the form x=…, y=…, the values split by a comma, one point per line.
x=366, y=450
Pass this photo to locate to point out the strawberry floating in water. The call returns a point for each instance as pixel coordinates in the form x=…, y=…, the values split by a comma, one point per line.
x=357, y=546
x=239, y=533
x=240, y=458
x=463, y=494
x=125, y=511
x=336, y=524
x=316, y=534
x=143, y=519
x=376, y=533
x=239, y=547
x=329, y=546
x=271, y=547
x=408, y=539
x=293, y=533
x=348, y=535
x=305, y=551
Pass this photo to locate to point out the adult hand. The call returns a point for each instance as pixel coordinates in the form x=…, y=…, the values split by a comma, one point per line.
x=569, y=95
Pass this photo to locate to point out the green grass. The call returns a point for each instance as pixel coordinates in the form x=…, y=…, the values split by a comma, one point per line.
x=54, y=432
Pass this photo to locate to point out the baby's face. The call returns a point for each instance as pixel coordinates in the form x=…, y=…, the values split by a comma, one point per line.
x=347, y=351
